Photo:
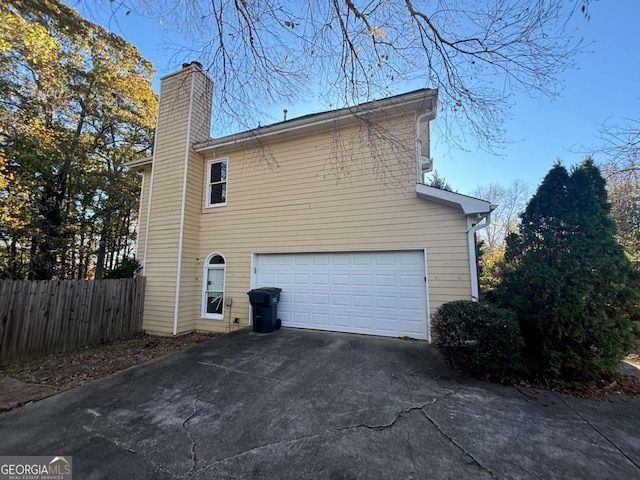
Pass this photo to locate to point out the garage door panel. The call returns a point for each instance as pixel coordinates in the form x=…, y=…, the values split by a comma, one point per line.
x=364, y=260
x=320, y=259
x=296, y=318
x=384, y=302
x=385, y=280
x=318, y=318
x=341, y=300
x=320, y=299
x=411, y=330
x=410, y=258
x=409, y=281
x=340, y=279
x=341, y=321
x=303, y=260
x=299, y=298
x=361, y=280
x=302, y=279
x=268, y=279
x=363, y=323
x=410, y=303
x=363, y=301
x=340, y=260
x=380, y=293
x=318, y=279
x=284, y=279
x=283, y=261
x=384, y=259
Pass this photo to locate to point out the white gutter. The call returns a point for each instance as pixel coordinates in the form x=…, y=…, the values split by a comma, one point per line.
x=183, y=207
x=473, y=260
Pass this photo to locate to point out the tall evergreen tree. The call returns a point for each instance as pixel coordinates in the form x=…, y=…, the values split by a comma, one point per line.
x=566, y=277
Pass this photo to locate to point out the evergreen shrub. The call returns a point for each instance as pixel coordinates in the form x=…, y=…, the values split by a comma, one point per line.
x=478, y=339
x=568, y=281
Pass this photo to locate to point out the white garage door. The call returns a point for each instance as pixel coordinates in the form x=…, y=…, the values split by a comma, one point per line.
x=376, y=293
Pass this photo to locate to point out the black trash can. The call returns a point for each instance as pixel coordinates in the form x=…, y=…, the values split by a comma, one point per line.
x=264, y=301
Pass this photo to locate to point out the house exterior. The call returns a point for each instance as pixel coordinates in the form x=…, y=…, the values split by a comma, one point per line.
x=329, y=207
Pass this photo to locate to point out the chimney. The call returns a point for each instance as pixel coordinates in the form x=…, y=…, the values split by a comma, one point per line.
x=184, y=118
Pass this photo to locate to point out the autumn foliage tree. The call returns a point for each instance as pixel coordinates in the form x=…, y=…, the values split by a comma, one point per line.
x=75, y=104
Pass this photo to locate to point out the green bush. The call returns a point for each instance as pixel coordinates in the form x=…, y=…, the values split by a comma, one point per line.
x=478, y=339
x=129, y=268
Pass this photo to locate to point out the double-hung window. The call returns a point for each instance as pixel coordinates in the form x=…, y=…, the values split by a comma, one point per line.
x=217, y=183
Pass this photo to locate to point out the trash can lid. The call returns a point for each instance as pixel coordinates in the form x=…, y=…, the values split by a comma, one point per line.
x=270, y=290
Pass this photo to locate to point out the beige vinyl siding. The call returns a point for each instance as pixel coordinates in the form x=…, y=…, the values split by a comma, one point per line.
x=298, y=204
x=190, y=293
x=161, y=267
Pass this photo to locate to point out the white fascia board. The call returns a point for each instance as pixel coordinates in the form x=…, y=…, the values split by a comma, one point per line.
x=139, y=163
x=421, y=100
x=468, y=205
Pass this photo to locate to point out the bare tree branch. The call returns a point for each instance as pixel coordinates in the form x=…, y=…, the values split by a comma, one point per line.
x=511, y=202
x=272, y=52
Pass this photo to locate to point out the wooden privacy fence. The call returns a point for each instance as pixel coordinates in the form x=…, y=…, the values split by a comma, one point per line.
x=42, y=317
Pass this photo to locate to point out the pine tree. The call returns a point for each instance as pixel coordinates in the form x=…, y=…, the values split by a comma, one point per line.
x=566, y=277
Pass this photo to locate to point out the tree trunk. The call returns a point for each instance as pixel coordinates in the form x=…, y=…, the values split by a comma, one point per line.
x=102, y=246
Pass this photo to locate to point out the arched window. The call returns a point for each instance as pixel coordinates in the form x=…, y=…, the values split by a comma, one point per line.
x=214, y=271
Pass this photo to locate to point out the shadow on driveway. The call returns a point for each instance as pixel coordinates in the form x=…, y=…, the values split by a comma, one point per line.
x=300, y=404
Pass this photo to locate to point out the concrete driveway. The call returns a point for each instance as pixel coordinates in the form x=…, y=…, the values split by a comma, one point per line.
x=299, y=404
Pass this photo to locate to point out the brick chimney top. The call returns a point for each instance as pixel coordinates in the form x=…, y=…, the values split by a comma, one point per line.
x=197, y=64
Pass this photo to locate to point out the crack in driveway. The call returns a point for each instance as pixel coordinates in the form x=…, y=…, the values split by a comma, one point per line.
x=259, y=447
x=591, y=425
x=185, y=423
x=289, y=382
x=190, y=435
x=320, y=433
x=458, y=446
x=399, y=414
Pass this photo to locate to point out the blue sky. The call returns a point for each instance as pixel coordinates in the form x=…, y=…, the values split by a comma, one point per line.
x=604, y=88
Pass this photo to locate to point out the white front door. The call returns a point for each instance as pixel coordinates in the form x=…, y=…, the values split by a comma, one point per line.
x=215, y=290
x=376, y=293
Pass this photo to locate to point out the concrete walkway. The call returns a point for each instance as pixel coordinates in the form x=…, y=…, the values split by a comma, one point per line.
x=14, y=393
x=299, y=404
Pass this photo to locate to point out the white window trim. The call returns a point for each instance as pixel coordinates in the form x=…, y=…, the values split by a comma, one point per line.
x=207, y=199
x=205, y=277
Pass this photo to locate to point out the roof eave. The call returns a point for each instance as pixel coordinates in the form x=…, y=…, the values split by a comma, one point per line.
x=424, y=101
x=470, y=206
x=139, y=163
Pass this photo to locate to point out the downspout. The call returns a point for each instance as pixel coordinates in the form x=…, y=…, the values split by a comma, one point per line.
x=473, y=260
x=183, y=206
x=419, y=155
